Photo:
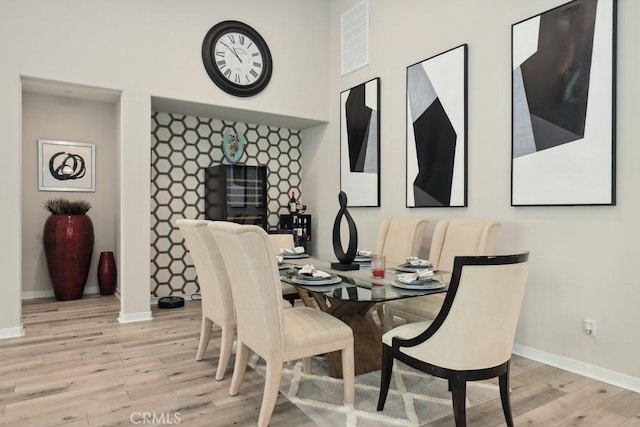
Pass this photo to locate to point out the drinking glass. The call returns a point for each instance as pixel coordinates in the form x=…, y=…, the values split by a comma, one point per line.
x=378, y=266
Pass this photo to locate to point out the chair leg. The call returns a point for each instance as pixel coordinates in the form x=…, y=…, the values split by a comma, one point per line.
x=242, y=358
x=505, y=398
x=459, y=396
x=387, y=322
x=348, y=374
x=205, y=334
x=270, y=395
x=385, y=378
x=306, y=365
x=226, y=344
x=380, y=312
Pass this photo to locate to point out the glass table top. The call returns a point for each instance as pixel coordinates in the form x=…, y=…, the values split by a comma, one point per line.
x=359, y=285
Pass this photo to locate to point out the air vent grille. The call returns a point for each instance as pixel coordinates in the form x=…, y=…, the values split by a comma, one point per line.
x=355, y=37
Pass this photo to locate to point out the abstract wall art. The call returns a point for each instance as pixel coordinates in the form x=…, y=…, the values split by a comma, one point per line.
x=66, y=166
x=360, y=143
x=563, y=106
x=437, y=130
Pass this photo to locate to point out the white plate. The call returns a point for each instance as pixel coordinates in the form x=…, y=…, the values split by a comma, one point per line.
x=410, y=268
x=294, y=256
x=325, y=281
x=421, y=285
x=359, y=258
x=309, y=277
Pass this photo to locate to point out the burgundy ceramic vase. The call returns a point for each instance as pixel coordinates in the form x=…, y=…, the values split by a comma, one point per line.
x=107, y=273
x=68, y=246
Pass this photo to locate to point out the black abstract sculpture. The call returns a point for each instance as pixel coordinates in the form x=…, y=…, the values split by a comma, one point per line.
x=346, y=259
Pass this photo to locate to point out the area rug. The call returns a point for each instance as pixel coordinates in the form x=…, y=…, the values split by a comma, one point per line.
x=414, y=398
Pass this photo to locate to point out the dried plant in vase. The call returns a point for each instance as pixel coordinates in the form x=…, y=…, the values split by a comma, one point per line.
x=62, y=206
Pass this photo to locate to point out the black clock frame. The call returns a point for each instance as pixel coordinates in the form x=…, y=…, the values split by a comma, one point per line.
x=208, y=58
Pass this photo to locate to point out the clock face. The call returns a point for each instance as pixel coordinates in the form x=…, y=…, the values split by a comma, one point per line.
x=237, y=58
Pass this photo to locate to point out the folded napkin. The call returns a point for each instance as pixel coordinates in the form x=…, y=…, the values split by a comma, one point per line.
x=425, y=274
x=417, y=262
x=292, y=251
x=310, y=270
x=363, y=253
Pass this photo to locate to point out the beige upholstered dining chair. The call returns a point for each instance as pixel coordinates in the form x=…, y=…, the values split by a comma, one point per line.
x=217, y=302
x=398, y=238
x=275, y=334
x=451, y=238
x=281, y=239
x=471, y=338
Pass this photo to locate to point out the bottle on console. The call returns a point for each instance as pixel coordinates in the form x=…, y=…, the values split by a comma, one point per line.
x=293, y=203
x=298, y=205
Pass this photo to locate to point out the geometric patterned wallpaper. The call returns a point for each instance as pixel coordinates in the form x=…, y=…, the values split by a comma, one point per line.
x=181, y=147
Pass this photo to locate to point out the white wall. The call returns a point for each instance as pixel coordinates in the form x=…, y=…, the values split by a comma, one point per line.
x=142, y=48
x=66, y=119
x=582, y=258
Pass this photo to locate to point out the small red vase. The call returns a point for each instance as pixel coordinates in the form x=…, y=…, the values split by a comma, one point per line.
x=107, y=273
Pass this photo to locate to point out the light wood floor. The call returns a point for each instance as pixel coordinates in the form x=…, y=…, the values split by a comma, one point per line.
x=77, y=366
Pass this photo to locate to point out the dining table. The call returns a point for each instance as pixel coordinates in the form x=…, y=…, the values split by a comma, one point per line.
x=350, y=296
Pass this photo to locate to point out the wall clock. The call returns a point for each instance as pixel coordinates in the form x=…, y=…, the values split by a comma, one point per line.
x=237, y=58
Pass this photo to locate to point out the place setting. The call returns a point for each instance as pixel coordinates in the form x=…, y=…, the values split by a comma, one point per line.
x=419, y=276
x=293, y=253
x=308, y=275
x=363, y=257
x=420, y=280
x=281, y=264
x=413, y=264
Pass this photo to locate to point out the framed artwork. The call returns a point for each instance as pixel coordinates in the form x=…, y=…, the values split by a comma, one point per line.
x=563, y=106
x=66, y=166
x=360, y=144
x=437, y=130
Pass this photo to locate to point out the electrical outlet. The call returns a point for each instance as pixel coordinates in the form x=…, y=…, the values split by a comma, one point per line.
x=590, y=327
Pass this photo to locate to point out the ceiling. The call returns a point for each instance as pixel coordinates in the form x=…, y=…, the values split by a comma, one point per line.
x=69, y=90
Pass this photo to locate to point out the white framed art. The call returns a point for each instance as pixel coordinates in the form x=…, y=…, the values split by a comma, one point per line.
x=66, y=166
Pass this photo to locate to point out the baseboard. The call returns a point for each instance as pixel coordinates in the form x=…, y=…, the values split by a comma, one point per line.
x=89, y=290
x=601, y=374
x=135, y=317
x=12, y=332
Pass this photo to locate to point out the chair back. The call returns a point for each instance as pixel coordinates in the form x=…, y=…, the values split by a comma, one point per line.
x=400, y=237
x=280, y=240
x=476, y=327
x=255, y=284
x=217, y=302
x=461, y=237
